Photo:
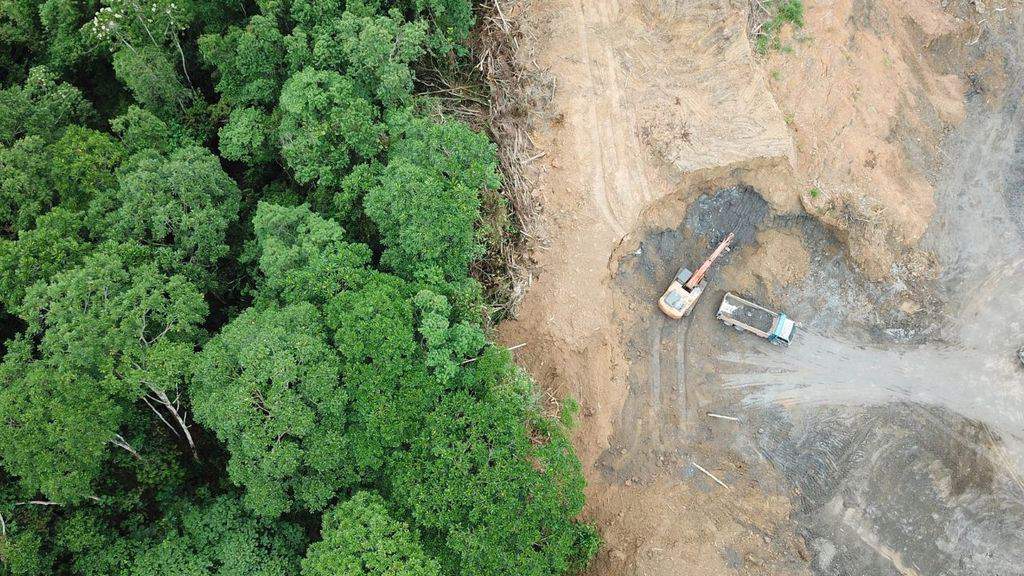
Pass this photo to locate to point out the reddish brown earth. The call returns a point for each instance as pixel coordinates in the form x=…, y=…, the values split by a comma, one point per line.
x=655, y=103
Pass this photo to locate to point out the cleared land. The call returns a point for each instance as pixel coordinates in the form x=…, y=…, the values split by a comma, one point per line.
x=889, y=439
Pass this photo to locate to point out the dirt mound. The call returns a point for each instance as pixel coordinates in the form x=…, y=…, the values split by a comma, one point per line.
x=869, y=88
x=658, y=96
x=702, y=106
x=779, y=259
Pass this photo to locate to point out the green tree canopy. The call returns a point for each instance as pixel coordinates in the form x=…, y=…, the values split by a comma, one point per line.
x=250, y=136
x=68, y=382
x=104, y=314
x=219, y=537
x=270, y=386
x=47, y=32
x=35, y=176
x=360, y=538
x=56, y=244
x=304, y=257
x=141, y=130
x=82, y=164
x=497, y=480
x=67, y=48
x=179, y=205
x=25, y=187
x=150, y=75
x=389, y=388
x=450, y=21
x=427, y=199
x=237, y=304
x=326, y=127
x=448, y=344
x=250, y=62
x=56, y=424
x=41, y=107
x=373, y=51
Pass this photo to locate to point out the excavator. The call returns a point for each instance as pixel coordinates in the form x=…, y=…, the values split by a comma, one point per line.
x=686, y=287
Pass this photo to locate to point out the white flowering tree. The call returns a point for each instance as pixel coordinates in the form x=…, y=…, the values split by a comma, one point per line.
x=134, y=24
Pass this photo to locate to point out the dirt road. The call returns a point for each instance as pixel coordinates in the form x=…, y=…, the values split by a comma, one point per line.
x=889, y=439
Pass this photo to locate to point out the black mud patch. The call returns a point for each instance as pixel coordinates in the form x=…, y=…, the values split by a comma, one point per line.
x=893, y=486
x=886, y=487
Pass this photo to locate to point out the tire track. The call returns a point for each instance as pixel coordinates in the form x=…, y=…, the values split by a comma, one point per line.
x=617, y=181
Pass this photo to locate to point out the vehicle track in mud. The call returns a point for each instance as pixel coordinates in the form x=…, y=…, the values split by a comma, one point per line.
x=902, y=433
x=895, y=448
x=655, y=101
x=617, y=175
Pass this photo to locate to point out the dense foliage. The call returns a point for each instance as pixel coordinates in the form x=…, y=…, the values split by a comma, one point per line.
x=238, y=329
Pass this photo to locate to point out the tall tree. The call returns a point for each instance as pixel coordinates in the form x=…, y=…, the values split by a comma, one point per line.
x=360, y=538
x=71, y=379
x=179, y=205
x=390, y=389
x=448, y=343
x=25, y=187
x=250, y=63
x=56, y=244
x=374, y=51
x=36, y=176
x=326, y=127
x=82, y=165
x=450, y=21
x=498, y=482
x=304, y=257
x=141, y=130
x=427, y=200
x=218, y=537
x=56, y=425
x=41, y=107
x=269, y=385
x=150, y=75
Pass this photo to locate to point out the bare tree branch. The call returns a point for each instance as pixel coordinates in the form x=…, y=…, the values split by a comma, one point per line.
x=161, y=396
x=173, y=430
x=120, y=442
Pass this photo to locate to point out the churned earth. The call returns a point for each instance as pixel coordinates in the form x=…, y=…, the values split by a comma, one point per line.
x=889, y=438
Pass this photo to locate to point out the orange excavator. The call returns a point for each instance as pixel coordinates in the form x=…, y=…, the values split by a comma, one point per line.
x=686, y=287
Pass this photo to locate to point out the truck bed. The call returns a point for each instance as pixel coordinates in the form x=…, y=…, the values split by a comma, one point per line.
x=747, y=313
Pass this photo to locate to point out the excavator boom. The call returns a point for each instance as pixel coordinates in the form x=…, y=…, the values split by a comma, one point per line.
x=697, y=276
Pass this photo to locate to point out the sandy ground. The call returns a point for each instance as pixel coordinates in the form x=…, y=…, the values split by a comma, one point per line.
x=869, y=88
x=888, y=439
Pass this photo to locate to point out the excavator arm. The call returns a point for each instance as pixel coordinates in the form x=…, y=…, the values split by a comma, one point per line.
x=697, y=276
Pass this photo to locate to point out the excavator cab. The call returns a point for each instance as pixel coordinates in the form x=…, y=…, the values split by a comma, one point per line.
x=686, y=287
x=677, y=301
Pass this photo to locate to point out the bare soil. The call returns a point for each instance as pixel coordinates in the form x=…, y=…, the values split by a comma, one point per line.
x=869, y=88
x=889, y=439
x=778, y=259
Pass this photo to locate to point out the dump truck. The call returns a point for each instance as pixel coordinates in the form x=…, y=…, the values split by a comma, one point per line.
x=743, y=314
x=686, y=287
